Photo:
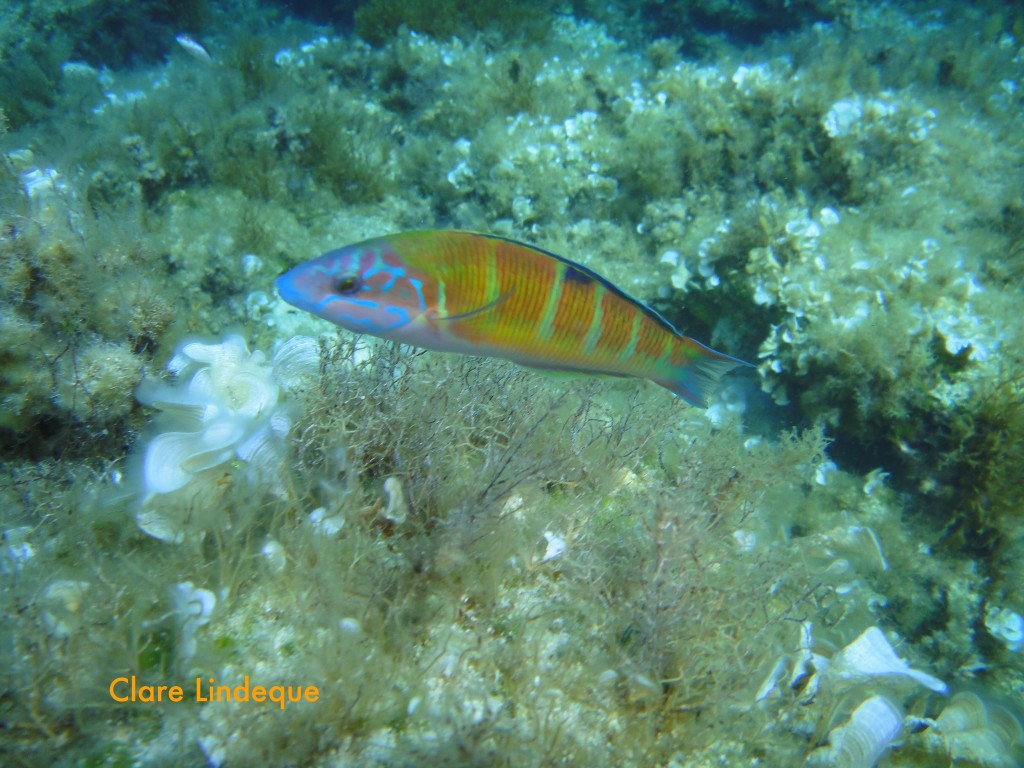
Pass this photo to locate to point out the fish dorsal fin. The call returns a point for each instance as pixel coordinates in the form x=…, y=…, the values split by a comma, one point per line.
x=475, y=312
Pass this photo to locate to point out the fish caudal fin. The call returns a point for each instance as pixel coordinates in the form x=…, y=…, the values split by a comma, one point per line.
x=695, y=381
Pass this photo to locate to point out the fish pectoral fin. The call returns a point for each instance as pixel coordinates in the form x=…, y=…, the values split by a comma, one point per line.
x=475, y=312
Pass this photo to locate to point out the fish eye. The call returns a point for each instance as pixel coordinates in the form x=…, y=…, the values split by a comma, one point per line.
x=346, y=285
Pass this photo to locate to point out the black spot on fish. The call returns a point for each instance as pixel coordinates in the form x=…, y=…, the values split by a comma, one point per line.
x=576, y=276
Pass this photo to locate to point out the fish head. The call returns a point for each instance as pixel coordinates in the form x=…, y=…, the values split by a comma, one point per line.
x=366, y=288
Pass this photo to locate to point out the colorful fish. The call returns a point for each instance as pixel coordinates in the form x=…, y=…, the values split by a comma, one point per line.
x=488, y=295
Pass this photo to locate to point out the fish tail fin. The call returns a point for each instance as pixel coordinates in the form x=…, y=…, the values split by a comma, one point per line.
x=695, y=380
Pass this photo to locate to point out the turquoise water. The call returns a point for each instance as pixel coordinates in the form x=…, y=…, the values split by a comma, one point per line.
x=321, y=549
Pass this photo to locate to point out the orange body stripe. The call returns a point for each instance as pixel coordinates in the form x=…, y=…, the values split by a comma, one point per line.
x=526, y=281
x=651, y=342
x=526, y=278
x=616, y=326
x=574, y=311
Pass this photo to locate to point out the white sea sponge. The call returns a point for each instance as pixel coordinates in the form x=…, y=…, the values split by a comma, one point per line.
x=227, y=404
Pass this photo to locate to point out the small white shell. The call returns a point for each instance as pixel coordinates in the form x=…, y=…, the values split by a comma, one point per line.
x=396, y=510
x=350, y=626
x=770, y=682
x=170, y=518
x=61, y=603
x=275, y=555
x=194, y=49
x=325, y=523
x=841, y=119
x=251, y=264
x=1006, y=625
x=871, y=655
x=164, y=525
x=865, y=737
x=803, y=228
x=556, y=546
x=284, y=57
x=828, y=216
x=17, y=550
x=193, y=607
x=670, y=257
x=193, y=603
x=38, y=182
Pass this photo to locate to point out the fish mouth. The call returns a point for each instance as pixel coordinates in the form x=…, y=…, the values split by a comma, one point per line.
x=295, y=287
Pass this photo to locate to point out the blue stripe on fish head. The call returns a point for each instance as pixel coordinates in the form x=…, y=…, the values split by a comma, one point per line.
x=367, y=316
x=367, y=289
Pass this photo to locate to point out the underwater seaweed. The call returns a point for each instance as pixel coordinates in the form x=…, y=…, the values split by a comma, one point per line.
x=473, y=564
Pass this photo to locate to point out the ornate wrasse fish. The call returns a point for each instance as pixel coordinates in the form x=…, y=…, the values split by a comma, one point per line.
x=488, y=295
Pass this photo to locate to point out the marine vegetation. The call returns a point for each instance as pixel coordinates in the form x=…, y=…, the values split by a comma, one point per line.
x=471, y=563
